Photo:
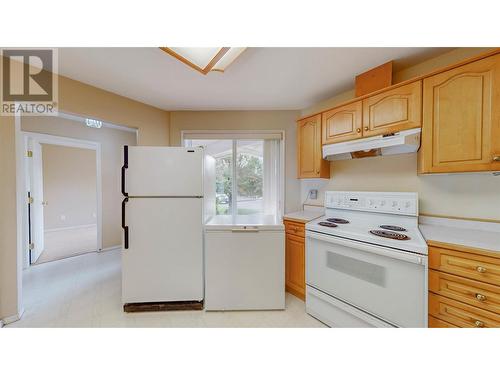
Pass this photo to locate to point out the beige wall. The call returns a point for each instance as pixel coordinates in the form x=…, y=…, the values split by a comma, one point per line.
x=82, y=99
x=69, y=186
x=112, y=142
x=8, y=229
x=471, y=195
x=249, y=120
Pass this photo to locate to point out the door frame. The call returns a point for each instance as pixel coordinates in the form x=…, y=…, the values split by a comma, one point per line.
x=59, y=141
x=22, y=211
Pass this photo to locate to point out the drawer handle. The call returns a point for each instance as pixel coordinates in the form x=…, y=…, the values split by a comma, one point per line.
x=358, y=130
x=479, y=324
x=480, y=269
x=480, y=297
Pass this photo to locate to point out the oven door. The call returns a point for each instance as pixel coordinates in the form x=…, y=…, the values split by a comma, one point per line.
x=389, y=284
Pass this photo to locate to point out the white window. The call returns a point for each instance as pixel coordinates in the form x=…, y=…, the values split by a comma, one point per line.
x=249, y=178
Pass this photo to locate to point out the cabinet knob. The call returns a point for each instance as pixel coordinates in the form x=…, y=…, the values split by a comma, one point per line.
x=496, y=158
x=480, y=297
x=480, y=269
x=358, y=130
x=366, y=128
x=479, y=323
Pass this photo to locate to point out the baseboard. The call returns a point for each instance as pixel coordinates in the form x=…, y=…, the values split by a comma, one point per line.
x=111, y=248
x=11, y=319
x=70, y=228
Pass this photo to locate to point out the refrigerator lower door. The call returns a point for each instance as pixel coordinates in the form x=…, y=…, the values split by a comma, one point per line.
x=164, y=259
x=163, y=171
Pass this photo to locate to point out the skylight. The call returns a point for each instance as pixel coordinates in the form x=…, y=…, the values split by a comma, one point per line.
x=205, y=59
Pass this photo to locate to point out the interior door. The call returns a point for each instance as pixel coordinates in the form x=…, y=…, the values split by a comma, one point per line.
x=37, y=203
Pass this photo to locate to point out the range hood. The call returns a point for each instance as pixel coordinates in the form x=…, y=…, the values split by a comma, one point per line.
x=402, y=142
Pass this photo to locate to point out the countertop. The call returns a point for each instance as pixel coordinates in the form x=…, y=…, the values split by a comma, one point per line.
x=476, y=234
x=262, y=222
x=306, y=215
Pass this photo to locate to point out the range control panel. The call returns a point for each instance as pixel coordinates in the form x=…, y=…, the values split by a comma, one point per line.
x=394, y=203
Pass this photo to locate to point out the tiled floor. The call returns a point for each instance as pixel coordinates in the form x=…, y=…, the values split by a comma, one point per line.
x=85, y=291
x=69, y=242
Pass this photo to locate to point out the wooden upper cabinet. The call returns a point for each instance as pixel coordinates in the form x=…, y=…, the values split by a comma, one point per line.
x=461, y=119
x=310, y=161
x=342, y=123
x=394, y=110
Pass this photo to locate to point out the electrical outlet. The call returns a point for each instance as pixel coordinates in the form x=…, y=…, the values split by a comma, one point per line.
x=313, y=194
x=63, y=217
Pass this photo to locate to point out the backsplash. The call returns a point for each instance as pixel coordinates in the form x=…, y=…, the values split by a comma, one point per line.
x=469, y=195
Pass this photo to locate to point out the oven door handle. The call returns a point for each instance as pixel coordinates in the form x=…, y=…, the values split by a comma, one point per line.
x=375, y=249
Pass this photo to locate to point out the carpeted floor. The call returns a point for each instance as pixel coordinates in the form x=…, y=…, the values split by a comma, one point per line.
x=69, y=242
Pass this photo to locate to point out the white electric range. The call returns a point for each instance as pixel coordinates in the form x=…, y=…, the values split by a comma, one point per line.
x=366, y=261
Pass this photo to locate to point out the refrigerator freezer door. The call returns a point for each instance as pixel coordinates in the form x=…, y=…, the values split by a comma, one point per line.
x=164, y=172
x=164, y=260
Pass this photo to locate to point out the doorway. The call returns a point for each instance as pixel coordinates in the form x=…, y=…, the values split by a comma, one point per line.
x=64, y=197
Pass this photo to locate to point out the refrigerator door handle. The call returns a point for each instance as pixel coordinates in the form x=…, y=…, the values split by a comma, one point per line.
x=125, y=227
x=124, y=168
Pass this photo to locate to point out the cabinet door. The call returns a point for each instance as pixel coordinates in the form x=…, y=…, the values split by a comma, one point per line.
x=310, y=161
x=343, y=123
x=295, y=265
x=461, y=119
x=394, y=110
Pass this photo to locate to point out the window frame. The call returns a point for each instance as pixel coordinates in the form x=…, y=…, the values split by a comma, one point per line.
x=236, y=135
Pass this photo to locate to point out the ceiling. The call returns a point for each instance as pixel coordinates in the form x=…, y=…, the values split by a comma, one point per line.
x=259, y=79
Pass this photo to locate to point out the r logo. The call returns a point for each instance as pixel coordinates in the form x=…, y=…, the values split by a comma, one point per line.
x=27, y=75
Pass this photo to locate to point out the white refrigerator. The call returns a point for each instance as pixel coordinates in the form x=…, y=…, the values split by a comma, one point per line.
x=162, y=220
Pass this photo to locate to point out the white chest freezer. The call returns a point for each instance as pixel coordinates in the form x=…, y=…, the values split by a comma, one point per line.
x=244, y=263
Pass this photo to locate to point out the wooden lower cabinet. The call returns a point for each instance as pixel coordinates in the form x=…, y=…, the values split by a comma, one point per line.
x=464, y=287
x=295, y=280
x=438, y=323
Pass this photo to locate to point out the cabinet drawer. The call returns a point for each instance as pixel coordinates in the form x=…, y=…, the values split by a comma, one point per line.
x=461, y=314
x=297, y=229
x=477, y=267
x=438, y=323
x=485, y=296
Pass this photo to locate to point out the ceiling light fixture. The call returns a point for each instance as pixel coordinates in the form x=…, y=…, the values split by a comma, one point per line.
x=205, y=59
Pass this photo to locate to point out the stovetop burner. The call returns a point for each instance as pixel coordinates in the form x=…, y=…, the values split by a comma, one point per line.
x=327, y=224
x=391, y=235
x=336, y=220
x=393, y=227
